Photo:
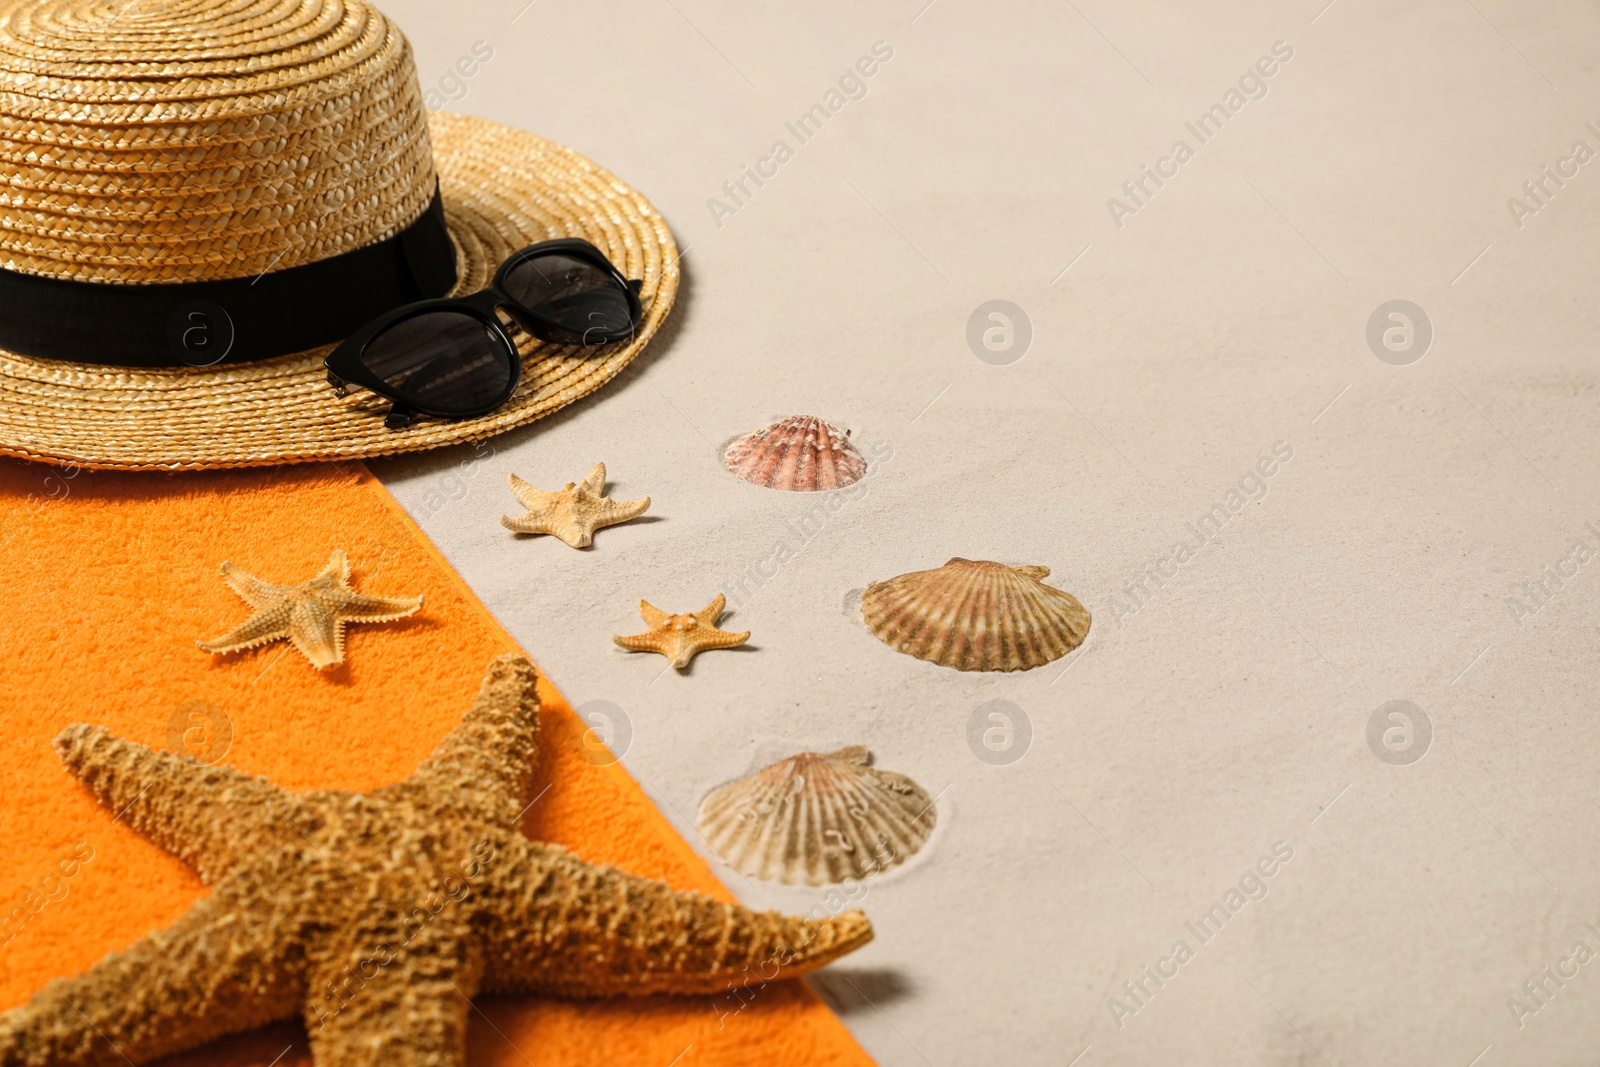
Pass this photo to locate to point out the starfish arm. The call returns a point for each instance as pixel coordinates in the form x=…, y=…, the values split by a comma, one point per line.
x=209, y=974
x=692, y=644
x=338, y=567
x=595, y=480
x=652, y=615
x=709, y=614
x=258, y=629
x=212, y=818
x=566, y=523
x=529, y=496
x=681, y=648
x=381, y=1001
x=570, y=928
x=576, y=536
x=530, y=523
x=488, y=760
x=361, y=607
x=649, y=641
x=611, y=512
x=251, y=590
x=721, y=639
x=317, y=631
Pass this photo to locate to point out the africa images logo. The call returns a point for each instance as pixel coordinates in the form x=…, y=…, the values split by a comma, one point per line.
x=1252, y=85
x=851, y=85
x=1252, y=887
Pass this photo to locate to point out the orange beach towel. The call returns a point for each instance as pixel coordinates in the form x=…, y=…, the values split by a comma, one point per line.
x=106, y=582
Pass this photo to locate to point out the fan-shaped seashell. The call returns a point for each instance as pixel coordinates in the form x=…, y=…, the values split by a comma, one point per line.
x=800, y=454
x=817, y=819
x=974, y=615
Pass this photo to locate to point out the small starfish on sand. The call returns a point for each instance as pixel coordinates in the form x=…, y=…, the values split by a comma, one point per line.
x=574, y=513
x=375, y=917
x=681, y=637
x=312, y=615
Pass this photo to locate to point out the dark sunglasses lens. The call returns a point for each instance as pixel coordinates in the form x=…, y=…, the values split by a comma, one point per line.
x=443, y=361
x=581, y=298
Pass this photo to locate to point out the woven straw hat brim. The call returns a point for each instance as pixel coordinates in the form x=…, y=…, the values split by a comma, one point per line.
x=502, y=189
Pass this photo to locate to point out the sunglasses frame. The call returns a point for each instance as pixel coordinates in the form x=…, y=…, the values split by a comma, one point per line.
x=346, y=369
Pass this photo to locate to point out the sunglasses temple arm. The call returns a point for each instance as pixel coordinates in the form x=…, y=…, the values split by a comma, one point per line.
x=399, y=417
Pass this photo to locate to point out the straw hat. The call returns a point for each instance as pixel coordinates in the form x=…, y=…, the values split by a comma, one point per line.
x=156, y=151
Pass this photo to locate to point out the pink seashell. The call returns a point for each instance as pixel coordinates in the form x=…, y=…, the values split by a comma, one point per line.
x=799, y=454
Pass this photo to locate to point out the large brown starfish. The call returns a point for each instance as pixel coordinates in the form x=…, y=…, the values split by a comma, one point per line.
x=376, y=916
x=312, y=615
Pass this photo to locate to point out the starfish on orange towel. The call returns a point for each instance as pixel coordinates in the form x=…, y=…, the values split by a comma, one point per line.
x=681, y=637
x=574, y=513
x=375, y=917
x=312, y=615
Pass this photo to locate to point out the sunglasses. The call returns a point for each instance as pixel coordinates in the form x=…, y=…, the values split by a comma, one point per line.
x=454, y=358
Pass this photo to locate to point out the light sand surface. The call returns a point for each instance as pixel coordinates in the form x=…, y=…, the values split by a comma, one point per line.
x=1225, y=712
